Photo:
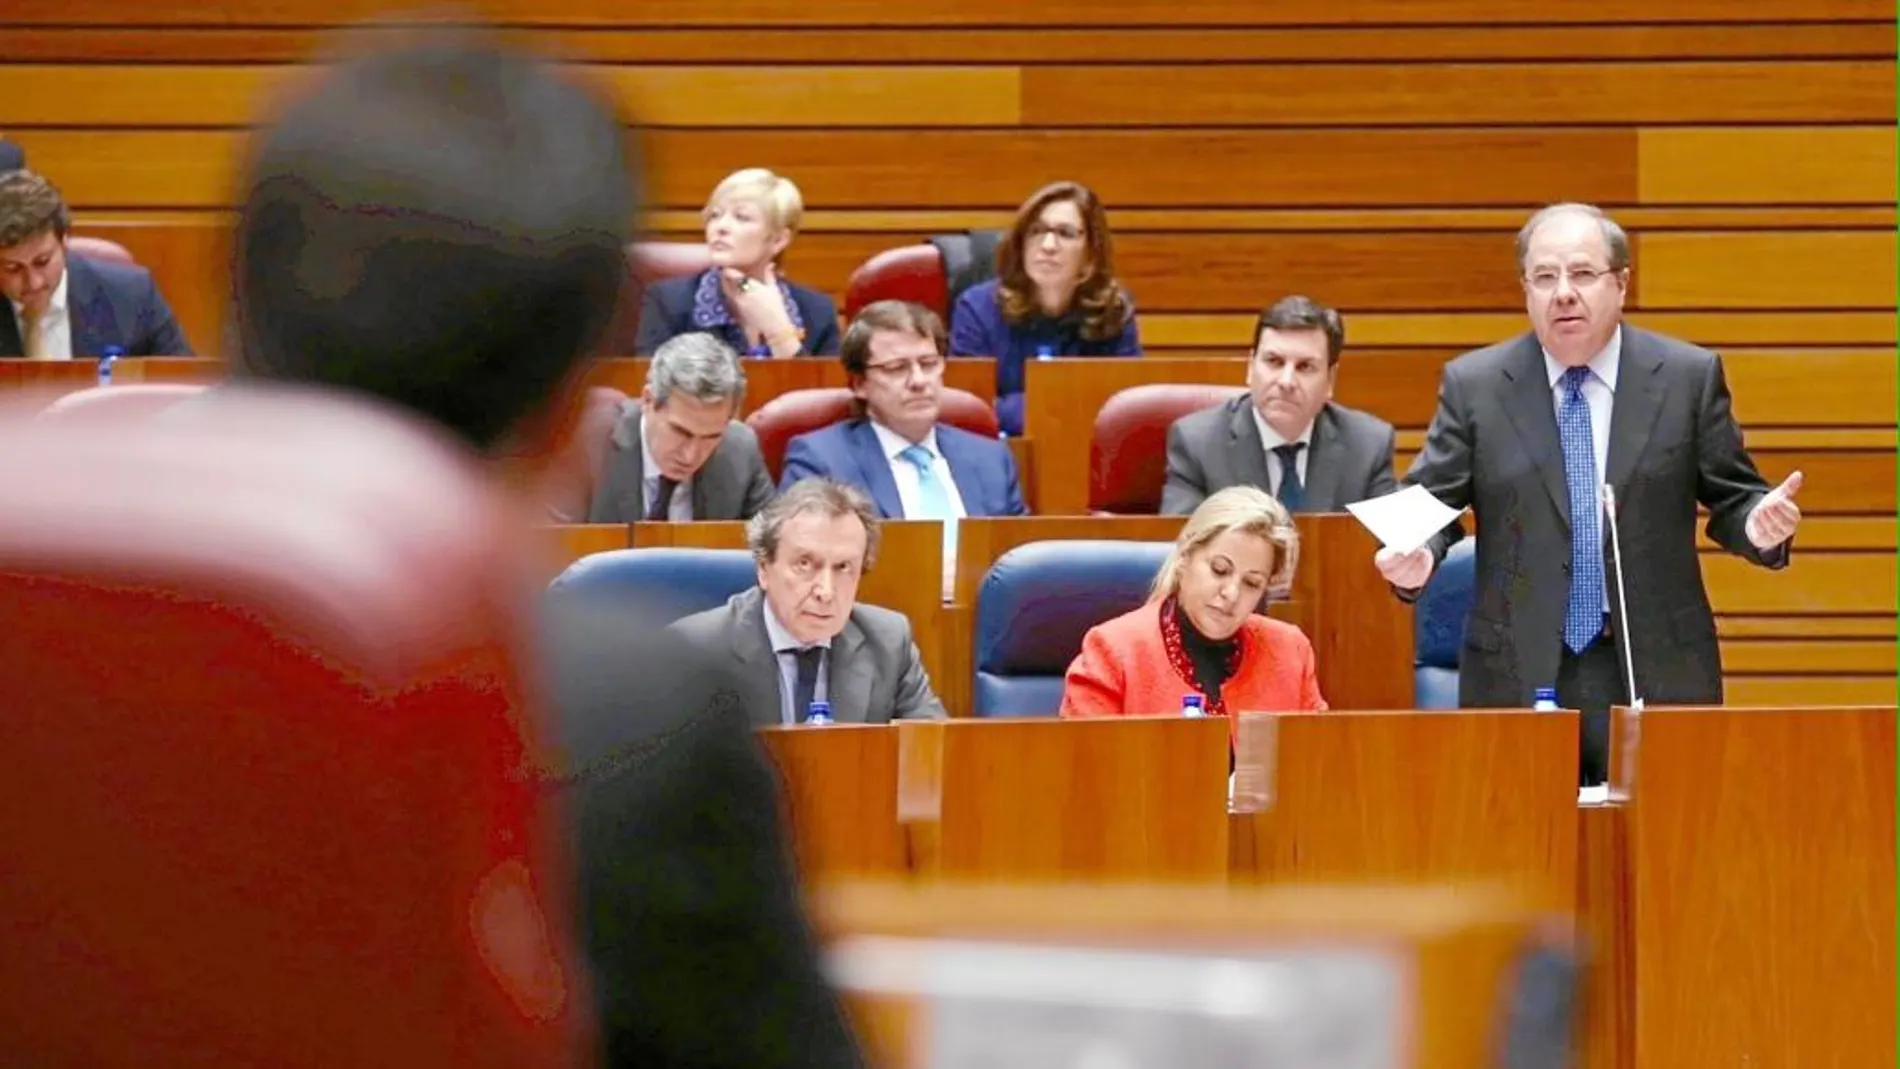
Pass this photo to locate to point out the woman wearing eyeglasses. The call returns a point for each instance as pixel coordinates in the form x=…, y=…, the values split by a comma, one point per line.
x=750, y=219
x=1055, y=294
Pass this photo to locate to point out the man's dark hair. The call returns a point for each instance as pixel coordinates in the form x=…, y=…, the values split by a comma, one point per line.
x=1304, y=313
x=441, y=224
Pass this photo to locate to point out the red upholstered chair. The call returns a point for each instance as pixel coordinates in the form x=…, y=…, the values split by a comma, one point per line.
x=567, y=484
x=907, y=273
x=797, y=412
x=132, y=400
x=267, y=791
x=648, y=262
x=1128, y=457
x=98, y=249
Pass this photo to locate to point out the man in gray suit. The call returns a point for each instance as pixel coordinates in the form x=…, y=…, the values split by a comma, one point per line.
x=1526, y=434
x=1285, y=435
x=678, y=453
x=799, y=636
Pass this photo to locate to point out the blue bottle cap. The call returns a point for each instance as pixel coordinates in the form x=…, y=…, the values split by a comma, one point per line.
x=819, y=713
x=1193, y=705
x=1546, y=694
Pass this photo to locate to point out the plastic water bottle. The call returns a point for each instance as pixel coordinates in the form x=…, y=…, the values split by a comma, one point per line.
x=819, y=715
x=1193, y=705
x=1545, y=700
x=1045, y=352
x=111, y=357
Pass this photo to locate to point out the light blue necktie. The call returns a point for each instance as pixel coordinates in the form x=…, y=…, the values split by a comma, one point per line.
x=1583, y=613
x=933, y=497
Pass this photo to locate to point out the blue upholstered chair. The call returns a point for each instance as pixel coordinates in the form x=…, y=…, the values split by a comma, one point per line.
x=1439, y=620
x=664, y=583
x=1035, y=605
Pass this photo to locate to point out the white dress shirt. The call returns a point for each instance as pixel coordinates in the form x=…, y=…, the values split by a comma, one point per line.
x=1271, y=439
x=680, y=509
x=910, y=490
x=55, y=325
x=1599, y=392
x=785, y=648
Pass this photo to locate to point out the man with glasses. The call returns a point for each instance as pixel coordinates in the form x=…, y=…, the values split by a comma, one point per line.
x=1526, y=435
x=893, y=447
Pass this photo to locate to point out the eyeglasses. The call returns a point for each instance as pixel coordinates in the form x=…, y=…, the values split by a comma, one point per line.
x=1063, y=232
x=900, y=370
x=1545, y=279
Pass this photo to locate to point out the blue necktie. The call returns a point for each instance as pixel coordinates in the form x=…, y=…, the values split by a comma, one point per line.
x=932, y=497
x=1292, y=492
x=1583, y=614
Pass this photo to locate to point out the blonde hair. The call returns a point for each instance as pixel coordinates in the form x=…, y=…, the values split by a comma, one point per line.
x=1246, y=509
x=784, y=206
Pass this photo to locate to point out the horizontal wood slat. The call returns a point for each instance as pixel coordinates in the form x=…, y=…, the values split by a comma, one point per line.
x=1454, y=94
x=1473, y=329
x=1795, y=691
x=1805, y=269
x=974, y=178
x=830, y=45
x=1813, y=583
x=1133, y=13
x=1880, y=626
x=1743, y=657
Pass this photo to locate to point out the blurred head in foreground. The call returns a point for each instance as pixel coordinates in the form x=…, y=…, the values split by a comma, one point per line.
x=440, y=224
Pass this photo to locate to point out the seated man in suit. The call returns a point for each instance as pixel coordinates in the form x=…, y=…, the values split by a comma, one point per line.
x=800, y=636
x=1285, y=435
x=67, y=306
x=912, y=466
x=678, y=453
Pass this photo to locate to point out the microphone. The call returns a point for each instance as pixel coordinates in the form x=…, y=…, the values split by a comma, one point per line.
x=1633, y=722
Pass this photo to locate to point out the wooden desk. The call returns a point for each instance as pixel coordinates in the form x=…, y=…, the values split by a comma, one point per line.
x=766, y=379
x=1430, y=968
x=1133, y=799
x=1761, y=854
x=1063, y=397
x=839, y=788
x=65, y=376
x=1433, y=797
x=563, y=544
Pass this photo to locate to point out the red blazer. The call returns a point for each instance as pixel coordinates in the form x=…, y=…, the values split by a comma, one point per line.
x=1123, y=670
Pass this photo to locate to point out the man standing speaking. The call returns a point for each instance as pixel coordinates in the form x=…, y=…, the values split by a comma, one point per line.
x=1526, y=434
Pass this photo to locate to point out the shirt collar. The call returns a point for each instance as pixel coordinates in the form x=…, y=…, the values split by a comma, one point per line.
x=894, y=443
x=1271, y=438
x=1604, y=364
x=781, y=639
x=56, y=307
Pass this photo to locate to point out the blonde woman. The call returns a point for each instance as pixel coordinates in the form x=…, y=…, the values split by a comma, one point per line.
x=1198, y=632
x=751, y=219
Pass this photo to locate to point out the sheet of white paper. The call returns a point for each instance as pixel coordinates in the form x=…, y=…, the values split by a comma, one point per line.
x=1404, y=520
x=1597, y=795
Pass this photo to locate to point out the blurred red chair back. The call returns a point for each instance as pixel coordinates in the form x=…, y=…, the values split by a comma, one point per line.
x=649, y=262
x=132, y=400
x=270, y=790
x=907, y=273
x=98, y=249
x=1128, y=456
x=797, y=412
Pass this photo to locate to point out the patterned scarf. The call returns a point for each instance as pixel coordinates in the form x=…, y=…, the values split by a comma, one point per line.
x=710, y=311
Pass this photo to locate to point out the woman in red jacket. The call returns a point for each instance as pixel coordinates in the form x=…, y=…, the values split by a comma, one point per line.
x=1198, y=633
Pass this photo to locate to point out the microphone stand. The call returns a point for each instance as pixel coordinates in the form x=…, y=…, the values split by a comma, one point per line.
x=1633, y=720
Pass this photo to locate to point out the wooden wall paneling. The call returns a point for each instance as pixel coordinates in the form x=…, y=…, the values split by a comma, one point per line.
x=1820, y=582
x=1784, y=691
x=1811, y=269
x=1766, y=165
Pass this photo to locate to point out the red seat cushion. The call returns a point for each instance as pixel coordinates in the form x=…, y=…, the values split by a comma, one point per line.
x=906, y=273
x=1128, y=456
x=267, y=791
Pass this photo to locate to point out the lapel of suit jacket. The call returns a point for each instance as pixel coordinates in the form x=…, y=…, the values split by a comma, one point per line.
x=1637, y=403
x=1324, y=459
x=89, y=313
x=11, y=344
x=967, y=473
x=1248, y=452
x=850, y=677
x=709, y=494
x=869, y=454
x=758, y=680
x=1533, y=414
x=622, y=488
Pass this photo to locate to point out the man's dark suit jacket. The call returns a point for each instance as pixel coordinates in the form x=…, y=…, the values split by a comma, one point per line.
x=1493, y=446
x=667, y=310
x=700, y=952
x=12, y=156
x=733, y=484
x=109, y=304
x=1211, y=450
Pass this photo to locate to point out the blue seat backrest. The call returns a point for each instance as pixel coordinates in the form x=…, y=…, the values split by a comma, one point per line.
x=662, y=584
x=1439, y=622
x=1035, y=606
